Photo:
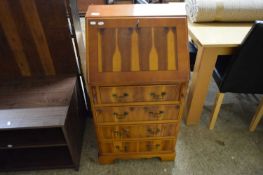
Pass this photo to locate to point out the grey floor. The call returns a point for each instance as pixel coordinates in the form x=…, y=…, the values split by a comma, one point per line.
x=229, y=149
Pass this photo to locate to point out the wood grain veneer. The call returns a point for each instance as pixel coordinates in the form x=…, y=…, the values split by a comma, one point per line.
x=138, y=72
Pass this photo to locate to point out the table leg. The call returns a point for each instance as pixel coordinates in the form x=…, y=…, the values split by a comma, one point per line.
x=204, y=66
x=256, y=118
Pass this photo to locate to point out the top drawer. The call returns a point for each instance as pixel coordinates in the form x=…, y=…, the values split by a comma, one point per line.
x=126, y=94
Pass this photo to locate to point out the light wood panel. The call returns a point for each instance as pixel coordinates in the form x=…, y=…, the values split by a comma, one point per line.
x=204, y=66
x=153, y=56
x=219, y=34
x=212, y=39
x=257, y=117
x=135, y=63
x=216, y=109
x=116, y=58
x=171, y=49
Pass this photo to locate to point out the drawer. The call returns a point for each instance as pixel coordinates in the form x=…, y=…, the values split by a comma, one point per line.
x=124, y=147
x=137, y=113
x=118, y=147
x=137, y=131
x=125, y=94
x=157, y=146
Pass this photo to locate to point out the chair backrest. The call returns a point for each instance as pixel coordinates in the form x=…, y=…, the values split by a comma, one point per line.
x=245, y=73
x=35, y=39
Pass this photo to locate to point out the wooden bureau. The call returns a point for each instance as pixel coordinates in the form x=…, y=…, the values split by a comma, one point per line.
x=138, y=72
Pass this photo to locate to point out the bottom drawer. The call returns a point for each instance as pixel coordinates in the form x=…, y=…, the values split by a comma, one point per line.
x=157, y=146
x=124, y=147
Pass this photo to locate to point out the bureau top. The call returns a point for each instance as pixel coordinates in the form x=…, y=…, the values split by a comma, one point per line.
x=136, y=10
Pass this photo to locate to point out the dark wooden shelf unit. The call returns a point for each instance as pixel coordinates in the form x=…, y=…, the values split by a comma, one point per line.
x=41, y=136
x=42, y=95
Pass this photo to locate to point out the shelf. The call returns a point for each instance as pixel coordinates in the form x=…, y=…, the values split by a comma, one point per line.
x=36, y=93
x=33, y=117
x=38, y=158
x=30, y=138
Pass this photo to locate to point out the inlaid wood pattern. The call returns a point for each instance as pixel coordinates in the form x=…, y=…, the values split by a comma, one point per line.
x=172, y=49
x=135, y=64
x=36, y=43
x=153, y=57
x=116, y=60
x=126, y=49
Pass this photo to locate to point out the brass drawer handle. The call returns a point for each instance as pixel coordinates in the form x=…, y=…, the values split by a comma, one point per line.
x=156, y=115
x=120, y=116
x=158, y=96
x=120, y=97
x=122, y=133
x=153, y=131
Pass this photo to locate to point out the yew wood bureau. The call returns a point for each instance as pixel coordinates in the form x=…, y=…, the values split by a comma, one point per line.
x=138, y=72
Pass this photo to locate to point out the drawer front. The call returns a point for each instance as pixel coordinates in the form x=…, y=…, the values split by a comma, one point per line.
x=137, y=131
x=125, y=94
x=119, y=147
x=157, y=146
x=137, y=113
